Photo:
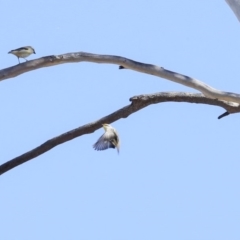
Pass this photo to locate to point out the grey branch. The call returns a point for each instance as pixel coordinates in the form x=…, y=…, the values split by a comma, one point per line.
x=137, y=103
x=235, y=6
x=158, y=71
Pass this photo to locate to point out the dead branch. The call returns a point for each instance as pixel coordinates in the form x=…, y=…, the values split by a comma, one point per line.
x=137, y=103
x=49, y=61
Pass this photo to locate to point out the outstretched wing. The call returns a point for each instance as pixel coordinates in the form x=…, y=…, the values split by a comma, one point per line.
x=104, y=142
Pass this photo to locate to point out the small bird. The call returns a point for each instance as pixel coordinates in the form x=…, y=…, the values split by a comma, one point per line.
x=109, y=139
x=22, y=52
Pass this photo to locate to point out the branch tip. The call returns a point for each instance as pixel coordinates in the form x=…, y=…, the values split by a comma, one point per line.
x=223, y=115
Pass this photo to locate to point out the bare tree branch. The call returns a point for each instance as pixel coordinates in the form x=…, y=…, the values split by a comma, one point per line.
x=138, y=102
x=235, y=6
x=49, y=61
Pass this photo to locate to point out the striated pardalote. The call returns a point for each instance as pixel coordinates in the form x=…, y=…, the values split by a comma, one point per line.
x=22, y=52
x=109, y=139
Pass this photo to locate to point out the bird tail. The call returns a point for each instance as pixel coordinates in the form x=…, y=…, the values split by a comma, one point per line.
x=117, y=146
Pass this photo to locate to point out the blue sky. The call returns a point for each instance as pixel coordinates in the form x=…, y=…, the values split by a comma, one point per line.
x=177, y=174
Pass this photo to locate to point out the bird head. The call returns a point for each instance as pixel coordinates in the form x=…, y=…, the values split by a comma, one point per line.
x=106, y=126
x=31, y=49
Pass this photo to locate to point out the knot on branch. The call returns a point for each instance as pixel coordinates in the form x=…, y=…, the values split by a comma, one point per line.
x=52, y=58
x=139, y=98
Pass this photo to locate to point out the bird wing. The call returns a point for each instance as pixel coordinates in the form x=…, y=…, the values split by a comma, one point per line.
x=105, y=141
x=20, y=49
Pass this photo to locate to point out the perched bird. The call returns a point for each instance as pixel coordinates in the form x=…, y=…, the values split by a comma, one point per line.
x=109, y=139
x=22, y=52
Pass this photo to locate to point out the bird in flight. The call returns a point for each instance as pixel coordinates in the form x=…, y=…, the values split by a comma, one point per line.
x=109, y=139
